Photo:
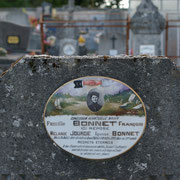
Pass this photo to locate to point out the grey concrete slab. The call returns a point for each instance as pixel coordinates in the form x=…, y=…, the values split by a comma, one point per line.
x=26, y=150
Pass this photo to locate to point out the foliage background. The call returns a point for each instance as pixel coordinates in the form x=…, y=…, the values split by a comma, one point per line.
x=58, y=3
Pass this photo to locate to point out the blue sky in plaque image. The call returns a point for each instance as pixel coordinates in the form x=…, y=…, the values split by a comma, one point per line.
x=108, y=87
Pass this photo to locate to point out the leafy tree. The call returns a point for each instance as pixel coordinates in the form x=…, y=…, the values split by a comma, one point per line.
x=114, y=3
x=57, y=3
x=30, y=3
x=11, y=3
x=89, y=3
x=98, y=3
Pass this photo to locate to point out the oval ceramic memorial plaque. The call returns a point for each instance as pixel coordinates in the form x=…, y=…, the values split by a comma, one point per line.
x=95, y=117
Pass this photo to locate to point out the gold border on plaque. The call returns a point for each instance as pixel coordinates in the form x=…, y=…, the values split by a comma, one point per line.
x=97, y=77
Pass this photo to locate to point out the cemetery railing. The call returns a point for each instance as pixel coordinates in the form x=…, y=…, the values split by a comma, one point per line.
x=172, y=23
x=123, y=23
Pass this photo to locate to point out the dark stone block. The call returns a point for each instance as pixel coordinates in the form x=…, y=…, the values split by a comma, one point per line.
x=13, y=37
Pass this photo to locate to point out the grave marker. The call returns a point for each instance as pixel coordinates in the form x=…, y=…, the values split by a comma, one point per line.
x=14, y=38
x=147, y=25
x=27, y=94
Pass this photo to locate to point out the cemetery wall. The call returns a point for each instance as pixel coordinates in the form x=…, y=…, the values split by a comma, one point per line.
x=79, y=13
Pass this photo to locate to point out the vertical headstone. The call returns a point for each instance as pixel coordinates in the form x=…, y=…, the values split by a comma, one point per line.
x=91, y=44
x=14, y=37
x=34, y=41
x=119, y=33
x=147, y=25
x=15, y=31
x=107, y=46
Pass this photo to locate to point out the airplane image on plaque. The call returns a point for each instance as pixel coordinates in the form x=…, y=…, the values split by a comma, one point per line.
x=95, y=117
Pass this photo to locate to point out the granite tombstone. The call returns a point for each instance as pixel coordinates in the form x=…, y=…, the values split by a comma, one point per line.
x=34, y=41
x=27, y=152
x=13, y=37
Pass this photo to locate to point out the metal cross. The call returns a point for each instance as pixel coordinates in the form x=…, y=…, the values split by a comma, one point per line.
x=113, y=41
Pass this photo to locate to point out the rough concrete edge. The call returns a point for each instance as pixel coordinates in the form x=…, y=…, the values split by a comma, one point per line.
x=122, y=56
x=101, y=57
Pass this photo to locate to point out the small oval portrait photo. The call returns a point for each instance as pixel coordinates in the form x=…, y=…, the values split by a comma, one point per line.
x=95, y=100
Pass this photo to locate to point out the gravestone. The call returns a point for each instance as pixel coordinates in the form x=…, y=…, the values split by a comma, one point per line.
x=91, y=44
x=34, y=41
x=147, y=25
x=14, y=38
x=107, y=46
x=18, y=17
x=41, y=87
